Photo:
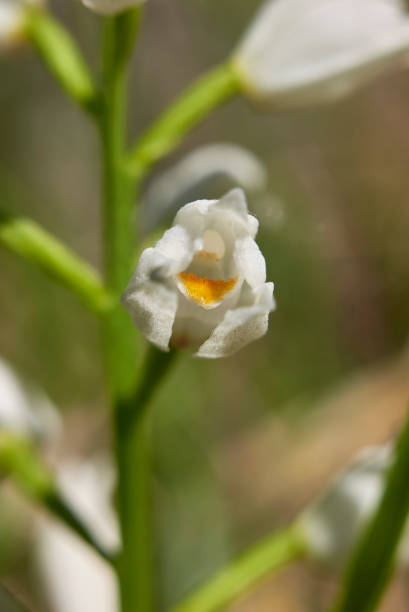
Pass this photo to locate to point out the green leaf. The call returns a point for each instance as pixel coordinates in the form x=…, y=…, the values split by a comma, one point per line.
x=264, y=558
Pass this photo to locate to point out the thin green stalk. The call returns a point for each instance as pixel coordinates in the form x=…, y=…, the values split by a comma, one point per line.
x=62, y=57
x=31, y=241
x=120, y=175
x=131, y=442
x=119, y=336
x=207, y=93
x=135, y=491
x=19, y=459
x=239, y=577
x=373, y=561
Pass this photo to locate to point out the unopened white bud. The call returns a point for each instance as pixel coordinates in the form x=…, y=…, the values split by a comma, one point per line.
x=25, y=409
x=299, y=52
x=332, y=524
x=12, y=21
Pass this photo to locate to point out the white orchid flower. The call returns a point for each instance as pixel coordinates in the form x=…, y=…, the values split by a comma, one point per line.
x=195, y=171
x=332, y=524
x=70, y=572
x=299, y=52
x=110, y=7
x=203, y=284
x=24, y=408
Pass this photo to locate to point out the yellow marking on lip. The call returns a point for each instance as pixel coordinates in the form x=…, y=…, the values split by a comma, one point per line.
x=204, y=290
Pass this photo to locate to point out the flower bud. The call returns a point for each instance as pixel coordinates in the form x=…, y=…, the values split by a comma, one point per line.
x=72, y=575
x=203, y=284
x=332, y=524
x=12, y=17
x=24, y=409
x=299, y=52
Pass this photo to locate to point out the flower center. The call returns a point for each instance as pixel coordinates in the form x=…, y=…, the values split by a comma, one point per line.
x=204, y=290
x=203, y=280
x=213, y=244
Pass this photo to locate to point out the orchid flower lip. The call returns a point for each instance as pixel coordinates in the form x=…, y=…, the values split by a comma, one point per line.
x=203, y=285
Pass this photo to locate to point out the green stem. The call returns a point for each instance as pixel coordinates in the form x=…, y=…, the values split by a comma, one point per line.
x=263, y=559
x=132, y=424
x=133, y=457
x=61, y=55
x=31, y=241
x=373, y=561
x=19, y=459
x=208, y=92
x=131, y=436
x=120, y=337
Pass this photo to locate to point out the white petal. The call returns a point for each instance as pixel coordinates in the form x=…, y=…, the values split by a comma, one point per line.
x=240, y=326
x=24, y=408
x=150, y=301
x=177, y=246
x=88, y=486
x=192, y=217
x=354, y=494
x=235, y=200
x=306, y=51
x=72, y=575
x=251, y=264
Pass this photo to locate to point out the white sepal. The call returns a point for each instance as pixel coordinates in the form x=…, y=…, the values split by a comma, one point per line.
x=150, y=301
x=240, y=326
x=299, y=52
x=72, y=575
x=332, y=524
x=24, y=408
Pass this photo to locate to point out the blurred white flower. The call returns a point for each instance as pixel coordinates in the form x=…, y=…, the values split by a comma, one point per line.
x=25, y=409
x=332, y=524
x=110, y=7
x=12, y=15
x=298, y=52
x=72, y=575
x=203, y=284
x=195, y=171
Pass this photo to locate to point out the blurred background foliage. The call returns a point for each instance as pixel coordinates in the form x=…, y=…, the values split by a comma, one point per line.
x=240, y=444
